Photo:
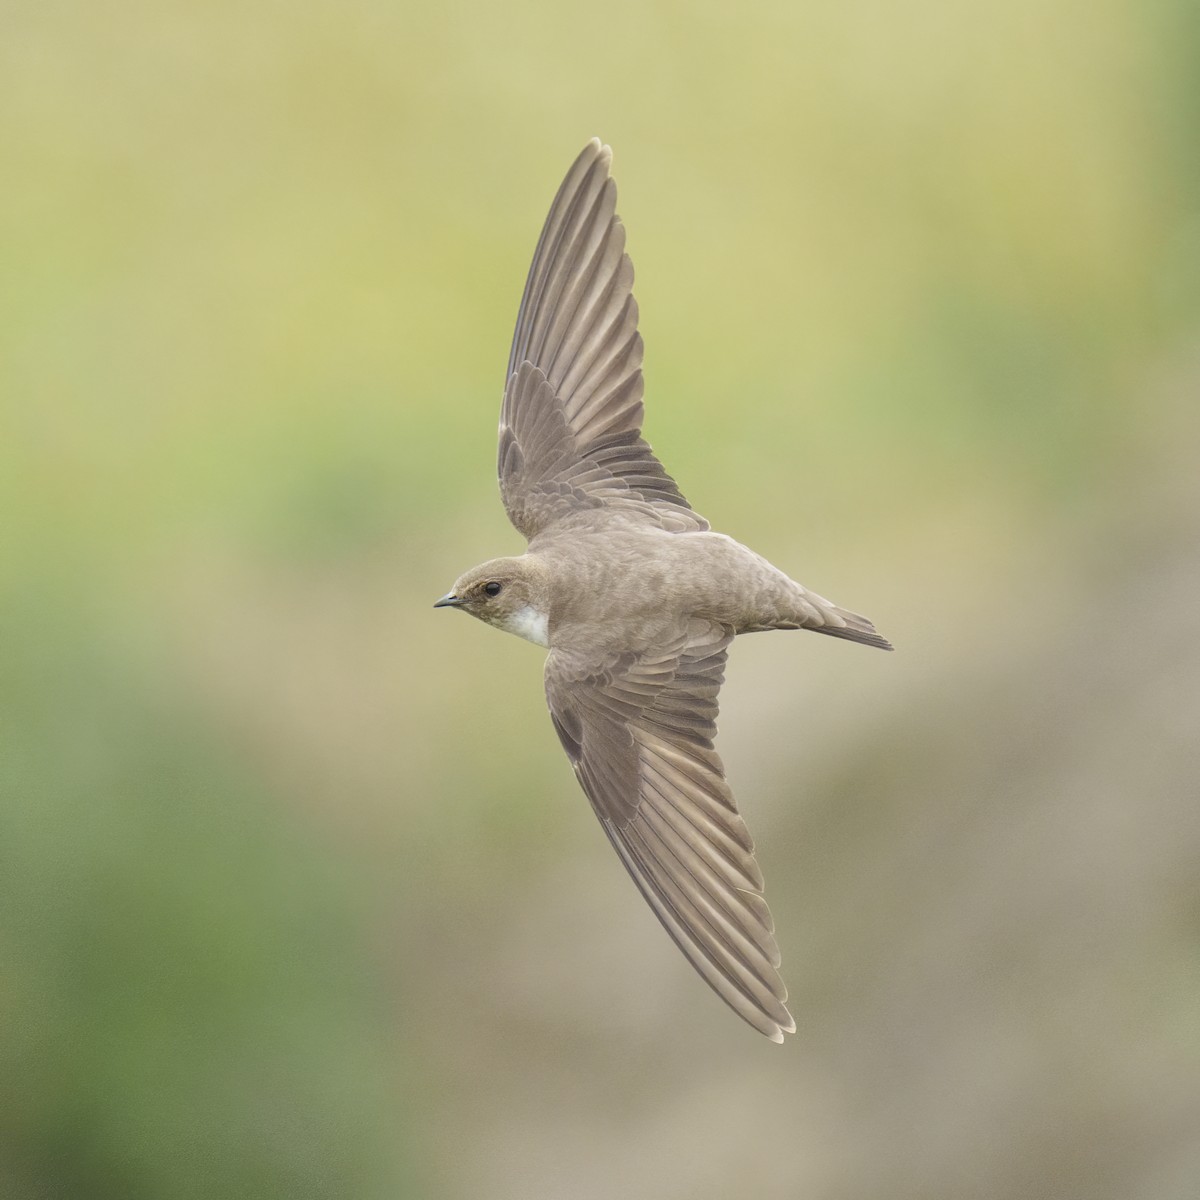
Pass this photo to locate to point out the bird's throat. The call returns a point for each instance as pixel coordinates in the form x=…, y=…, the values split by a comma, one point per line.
x=531, y=624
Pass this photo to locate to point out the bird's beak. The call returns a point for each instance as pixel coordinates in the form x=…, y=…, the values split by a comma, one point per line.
x=449, y=600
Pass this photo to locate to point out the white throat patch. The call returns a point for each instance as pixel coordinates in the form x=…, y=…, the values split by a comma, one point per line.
x=528, y=623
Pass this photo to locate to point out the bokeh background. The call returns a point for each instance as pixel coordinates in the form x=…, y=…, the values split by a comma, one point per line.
x=299, y=897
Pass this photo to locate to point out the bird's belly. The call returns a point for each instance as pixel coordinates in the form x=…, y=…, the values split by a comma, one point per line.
x=649, y=581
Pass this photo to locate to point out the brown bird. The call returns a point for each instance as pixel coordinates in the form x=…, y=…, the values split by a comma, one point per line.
x=635, y=598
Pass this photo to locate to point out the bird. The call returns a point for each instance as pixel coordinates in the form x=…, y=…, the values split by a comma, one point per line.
x=636, y=599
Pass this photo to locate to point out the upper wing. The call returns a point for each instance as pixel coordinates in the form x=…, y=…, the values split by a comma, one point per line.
x=638, y=730
x=572, y=414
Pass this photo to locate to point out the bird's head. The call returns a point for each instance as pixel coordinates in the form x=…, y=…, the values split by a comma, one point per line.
x=506, y=592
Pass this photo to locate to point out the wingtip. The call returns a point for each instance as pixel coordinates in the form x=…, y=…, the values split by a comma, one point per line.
x=599, y=151
x=780, y=1030
x=790, y=1027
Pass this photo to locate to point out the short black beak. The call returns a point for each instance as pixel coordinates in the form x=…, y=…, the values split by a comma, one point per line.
x=449, y=600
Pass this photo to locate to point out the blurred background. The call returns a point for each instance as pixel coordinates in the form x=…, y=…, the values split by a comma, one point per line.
x=298, y=895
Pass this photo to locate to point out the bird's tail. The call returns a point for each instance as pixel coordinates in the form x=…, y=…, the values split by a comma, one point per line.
x=854, y=628
x=803, y=609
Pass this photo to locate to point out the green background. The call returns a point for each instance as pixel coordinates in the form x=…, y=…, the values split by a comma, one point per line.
x=298, y=897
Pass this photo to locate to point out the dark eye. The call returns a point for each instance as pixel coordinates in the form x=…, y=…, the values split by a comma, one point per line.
x=492, y=589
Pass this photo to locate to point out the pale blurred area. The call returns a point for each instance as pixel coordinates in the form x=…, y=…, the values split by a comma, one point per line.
x=298, y=895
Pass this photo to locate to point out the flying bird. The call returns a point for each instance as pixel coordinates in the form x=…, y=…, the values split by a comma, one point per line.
x=635, y=597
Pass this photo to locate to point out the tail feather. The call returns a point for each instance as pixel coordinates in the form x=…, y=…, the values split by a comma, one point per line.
x=823, y=616
x=842, y=623
x=790, y=605
x=831, y=621
x=862, y=631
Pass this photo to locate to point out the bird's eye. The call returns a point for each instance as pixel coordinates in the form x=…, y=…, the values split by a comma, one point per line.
x=492, y=589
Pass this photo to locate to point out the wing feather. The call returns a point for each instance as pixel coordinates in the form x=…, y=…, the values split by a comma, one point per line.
x=570, y=424
x=639, y=731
